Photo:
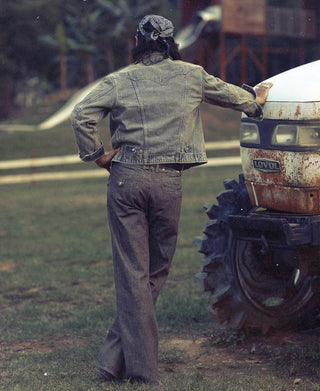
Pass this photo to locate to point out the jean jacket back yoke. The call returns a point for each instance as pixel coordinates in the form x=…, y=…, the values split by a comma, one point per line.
x=154, y=112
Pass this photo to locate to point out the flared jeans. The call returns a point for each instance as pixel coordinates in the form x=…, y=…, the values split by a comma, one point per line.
x=143, y=206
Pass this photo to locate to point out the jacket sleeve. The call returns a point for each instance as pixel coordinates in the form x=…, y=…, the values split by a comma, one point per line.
x=220, y=93
x=87, y=114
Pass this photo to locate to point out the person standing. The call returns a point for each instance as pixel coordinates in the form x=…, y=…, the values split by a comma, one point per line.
x=156, y=134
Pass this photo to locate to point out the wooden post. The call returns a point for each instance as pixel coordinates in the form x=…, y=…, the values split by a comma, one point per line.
x=264, y=57
x=223, y=55
x=243, y=59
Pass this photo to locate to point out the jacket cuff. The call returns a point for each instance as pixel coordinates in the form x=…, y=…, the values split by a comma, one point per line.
x=93, y=156
x=248, y=88
x=258, y=114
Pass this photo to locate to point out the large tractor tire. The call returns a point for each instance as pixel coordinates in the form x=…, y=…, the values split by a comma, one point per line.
x=252, y=285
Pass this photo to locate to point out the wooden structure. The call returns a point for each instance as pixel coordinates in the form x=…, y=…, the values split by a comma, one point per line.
x=190, y=7
x=251, y=30
x=243, y=18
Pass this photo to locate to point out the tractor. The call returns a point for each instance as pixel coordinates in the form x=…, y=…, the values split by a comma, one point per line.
x=261, y=244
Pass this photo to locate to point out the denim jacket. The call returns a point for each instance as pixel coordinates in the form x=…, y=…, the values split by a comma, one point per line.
x=154, y=112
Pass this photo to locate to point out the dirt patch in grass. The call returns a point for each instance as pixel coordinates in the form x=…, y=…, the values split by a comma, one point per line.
x=198, y=354
x=224, y=355
x=241, y=358
x=44, y=346
x=5, y=266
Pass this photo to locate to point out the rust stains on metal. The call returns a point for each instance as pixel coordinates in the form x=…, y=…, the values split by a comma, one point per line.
x=298, y=111
x=297, y=169
x=294, y=188
x=315, y=110
x=292, y=110
x=286, y=199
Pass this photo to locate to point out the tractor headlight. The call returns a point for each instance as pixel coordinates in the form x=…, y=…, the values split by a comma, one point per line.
x=298, y=135
x=249, y=133
x=309, y=135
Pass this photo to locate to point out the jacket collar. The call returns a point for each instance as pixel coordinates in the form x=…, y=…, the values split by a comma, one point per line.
x=153, y=58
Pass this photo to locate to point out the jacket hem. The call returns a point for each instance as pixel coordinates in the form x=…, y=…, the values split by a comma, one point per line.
x=193, y=159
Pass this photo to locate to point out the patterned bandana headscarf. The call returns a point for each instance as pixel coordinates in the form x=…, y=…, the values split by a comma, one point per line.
x=154, y=26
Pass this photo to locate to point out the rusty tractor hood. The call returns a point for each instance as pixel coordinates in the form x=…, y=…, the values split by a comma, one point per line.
x=295, y=94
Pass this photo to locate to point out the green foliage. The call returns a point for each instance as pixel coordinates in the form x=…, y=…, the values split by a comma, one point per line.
x=81, y=26
x=22, y=55
x=98, y=33
x=125, y=14
x=61, y=37
x=23, y=22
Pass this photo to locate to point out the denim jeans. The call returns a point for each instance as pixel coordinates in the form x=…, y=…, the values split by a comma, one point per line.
x=143, y=205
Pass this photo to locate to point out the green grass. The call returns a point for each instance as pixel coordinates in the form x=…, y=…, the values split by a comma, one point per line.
x=57, y=285
x=57, y=293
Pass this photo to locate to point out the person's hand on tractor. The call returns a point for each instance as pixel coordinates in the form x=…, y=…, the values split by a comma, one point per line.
x=262, y=92
x=105, y=160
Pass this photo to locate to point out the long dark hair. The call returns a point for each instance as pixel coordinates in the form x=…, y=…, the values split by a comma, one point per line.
x=167, y=46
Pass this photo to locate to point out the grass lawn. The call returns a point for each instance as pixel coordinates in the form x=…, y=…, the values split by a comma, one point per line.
x=57, y=294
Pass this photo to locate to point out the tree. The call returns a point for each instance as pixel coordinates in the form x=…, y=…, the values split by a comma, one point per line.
x=82, y=27
x=42, y=38
x=75, y=33
x=61, y=37
x=60, y=43
x=123, y=16
x=21, y=55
